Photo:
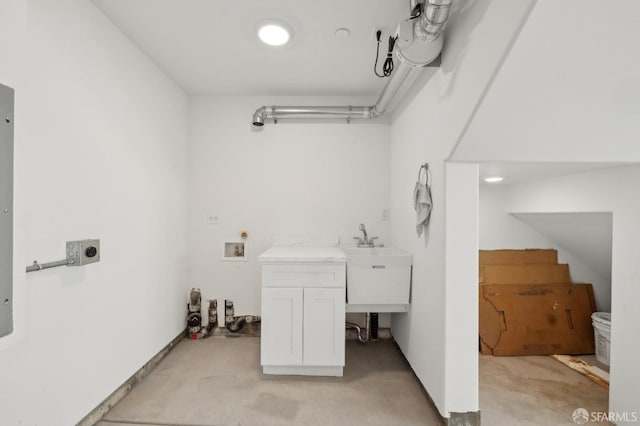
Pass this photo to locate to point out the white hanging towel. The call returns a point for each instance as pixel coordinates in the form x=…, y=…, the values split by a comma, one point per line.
x=422, y=202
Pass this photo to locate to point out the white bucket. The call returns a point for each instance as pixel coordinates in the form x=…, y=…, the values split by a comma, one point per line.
x=602, y=334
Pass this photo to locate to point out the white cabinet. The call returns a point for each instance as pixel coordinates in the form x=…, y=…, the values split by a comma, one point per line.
x=281, y=342
x=303, y=317
x=323, y=326
x=302, y=327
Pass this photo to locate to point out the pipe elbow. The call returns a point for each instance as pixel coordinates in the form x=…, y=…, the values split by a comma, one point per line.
x=259, y=116
x=374, y=113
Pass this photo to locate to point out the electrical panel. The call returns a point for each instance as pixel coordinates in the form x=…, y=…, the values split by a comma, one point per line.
x=6, y=210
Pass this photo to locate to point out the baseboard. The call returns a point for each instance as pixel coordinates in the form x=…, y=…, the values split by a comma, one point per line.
x=304, y=370
x=471, y=418
x=103, y=408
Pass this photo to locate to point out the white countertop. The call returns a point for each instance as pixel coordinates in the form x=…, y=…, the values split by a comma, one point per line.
x=327, y=254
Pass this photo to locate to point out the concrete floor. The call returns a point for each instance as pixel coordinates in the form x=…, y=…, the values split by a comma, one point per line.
x=218, y=381
x=535, y=390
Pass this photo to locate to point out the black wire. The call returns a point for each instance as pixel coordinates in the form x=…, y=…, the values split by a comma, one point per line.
x=375, y=65
x=416, y=12
x=387, y=67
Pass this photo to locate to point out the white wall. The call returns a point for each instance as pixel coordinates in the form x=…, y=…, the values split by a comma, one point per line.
x=294, y=178
x=477, y=37
x=12, y=26
x=101, y=150
x=461, y=275
x=614, y=190
x=499, y=229
x=568, y=91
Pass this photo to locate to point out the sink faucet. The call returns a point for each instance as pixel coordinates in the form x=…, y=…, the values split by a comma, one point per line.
x=365, y=241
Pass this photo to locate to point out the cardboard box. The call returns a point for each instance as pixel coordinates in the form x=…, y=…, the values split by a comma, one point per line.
x=524, y=274
x=532, y=319
x=501, y=257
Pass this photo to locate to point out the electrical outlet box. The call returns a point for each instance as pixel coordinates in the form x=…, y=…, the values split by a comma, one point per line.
x=83, y=252
x=405, y=32
x=213, y=218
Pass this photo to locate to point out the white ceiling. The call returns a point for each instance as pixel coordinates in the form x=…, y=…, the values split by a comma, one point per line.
x=519, y=172
x=587, y=236
x=210, y=46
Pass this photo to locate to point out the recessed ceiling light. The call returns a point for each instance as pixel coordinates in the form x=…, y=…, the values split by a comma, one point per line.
x=274, y=33
x=493, y=179
x=342, y=33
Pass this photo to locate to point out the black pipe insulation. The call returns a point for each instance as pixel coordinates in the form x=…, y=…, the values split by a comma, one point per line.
x=374, y=326
x=236, y=325
x=238, y=322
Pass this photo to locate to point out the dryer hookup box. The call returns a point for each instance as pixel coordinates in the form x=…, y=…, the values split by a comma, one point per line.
x=83, y=252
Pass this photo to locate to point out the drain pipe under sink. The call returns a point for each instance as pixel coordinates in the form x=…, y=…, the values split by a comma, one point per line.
x=359, y=331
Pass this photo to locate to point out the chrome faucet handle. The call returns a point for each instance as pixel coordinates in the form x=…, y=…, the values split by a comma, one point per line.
x=360, y=240
x=364, y=232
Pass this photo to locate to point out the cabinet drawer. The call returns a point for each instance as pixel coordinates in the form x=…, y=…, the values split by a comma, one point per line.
x=305, y=275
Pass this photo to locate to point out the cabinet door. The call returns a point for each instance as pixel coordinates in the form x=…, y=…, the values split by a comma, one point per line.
x=324, y=326
x=281, y=329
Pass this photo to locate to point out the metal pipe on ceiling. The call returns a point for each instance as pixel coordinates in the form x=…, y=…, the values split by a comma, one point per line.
x=265, y=113
x=419, y=44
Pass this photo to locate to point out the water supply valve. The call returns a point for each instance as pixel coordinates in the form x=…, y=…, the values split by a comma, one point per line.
x=213, y=313
x=229, y=312
x=194, y=318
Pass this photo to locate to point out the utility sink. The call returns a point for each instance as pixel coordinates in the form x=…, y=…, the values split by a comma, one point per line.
x=378, y=279
x=374, y=251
